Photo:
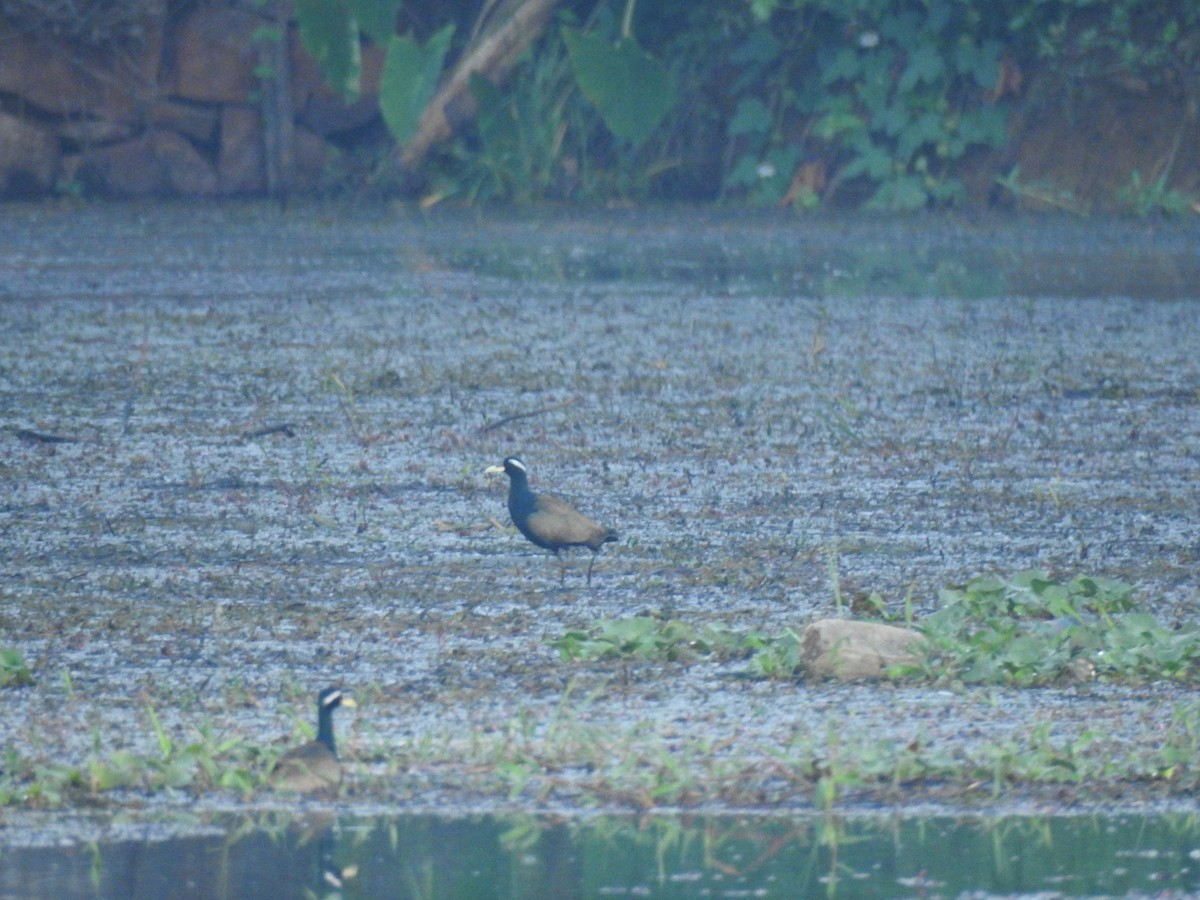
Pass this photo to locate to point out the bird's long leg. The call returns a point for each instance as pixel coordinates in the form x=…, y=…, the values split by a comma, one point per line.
x=591, y=563
x=562, y=569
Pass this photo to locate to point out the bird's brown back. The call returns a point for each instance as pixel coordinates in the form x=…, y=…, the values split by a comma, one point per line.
x=310, y=768
x=557, y=523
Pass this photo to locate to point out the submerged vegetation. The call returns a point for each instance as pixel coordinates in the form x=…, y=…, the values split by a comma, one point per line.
x=1029, y=630
x=14, y=672
x=587, y=764
x=269, y=489
x=1034, y=630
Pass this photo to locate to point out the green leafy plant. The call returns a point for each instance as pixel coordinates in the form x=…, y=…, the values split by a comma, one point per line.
x=329, y=32
x=516, y=148
x=1033, y=629
x=410, y=76
x=629, y=87
x=878, y=103
x=892, y=97
x=1041, y=193
x=1156, y=197
x=644, y=638
x=1086, y=41
x=13, y=670
x=777, y=657
x=1030, y=629
x=203, y=763
x=578, y=117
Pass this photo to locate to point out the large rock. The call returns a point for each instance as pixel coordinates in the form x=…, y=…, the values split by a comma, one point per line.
x=214, y=57
x=29, y=158
x=88, y=132
x=60, y=80
x=191, y=120
x=313, y=157
x=160, y=163
x=241, y=167
x=168, y=112
x=852, y=651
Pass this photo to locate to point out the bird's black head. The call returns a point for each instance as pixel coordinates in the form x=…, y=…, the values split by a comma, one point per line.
x=333, y=697
x=512, y=467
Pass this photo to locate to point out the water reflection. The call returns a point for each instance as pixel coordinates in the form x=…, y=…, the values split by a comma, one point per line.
x=840, y=258
x=653, y=856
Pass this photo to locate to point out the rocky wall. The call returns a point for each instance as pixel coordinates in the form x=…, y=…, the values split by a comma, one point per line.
x=176, y=111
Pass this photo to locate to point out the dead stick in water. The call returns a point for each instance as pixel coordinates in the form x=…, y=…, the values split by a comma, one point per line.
x=491, y=426
x=287, y=429
x=38, y=437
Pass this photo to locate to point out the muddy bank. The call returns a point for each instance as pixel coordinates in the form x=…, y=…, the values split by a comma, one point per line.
x=275, y=426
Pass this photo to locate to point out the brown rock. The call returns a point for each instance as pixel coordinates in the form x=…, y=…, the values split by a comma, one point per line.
x=196, y=122
x=29, y=158
x=89, y=131
x=313, y=157
x=852, y=650
x=214, y=57
x=158, y=163
x=62, y=80
x=241, y=167
x=188, y=172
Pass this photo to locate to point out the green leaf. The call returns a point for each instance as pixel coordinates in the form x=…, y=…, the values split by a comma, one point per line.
x=980, y=61
x=985, y=125
x=410, y=76
x=846, y=64
x=496, y=121
x=905, y=194
x=751, y=117
x=893, y=118
x=1026, y=652
x=838, y=122
x=329, y=32
x=165, y=744
x=744, y=172
x=238, y=780
x=872, y=161
x=924, y=66
x=760, y=48
x=762, y=9
x=781, y=164
x=628, y=87
x=377, y=18
x=13, y=670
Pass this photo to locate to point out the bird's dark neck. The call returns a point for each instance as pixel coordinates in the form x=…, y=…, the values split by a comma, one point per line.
x=520, y=497
x=325, y=728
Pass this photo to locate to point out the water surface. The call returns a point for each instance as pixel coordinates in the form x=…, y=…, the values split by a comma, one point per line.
x=243, y=456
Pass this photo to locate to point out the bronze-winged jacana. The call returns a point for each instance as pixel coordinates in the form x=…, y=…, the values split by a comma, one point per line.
x=546, y=520
x=314, y=767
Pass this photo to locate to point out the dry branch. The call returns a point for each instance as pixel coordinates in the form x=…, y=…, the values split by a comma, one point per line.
x=489, y=55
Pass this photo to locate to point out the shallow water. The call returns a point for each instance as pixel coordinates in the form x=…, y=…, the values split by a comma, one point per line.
x=244, y=449
x=603, y=856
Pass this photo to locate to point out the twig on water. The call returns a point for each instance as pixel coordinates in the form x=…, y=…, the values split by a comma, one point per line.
x=492, y=426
